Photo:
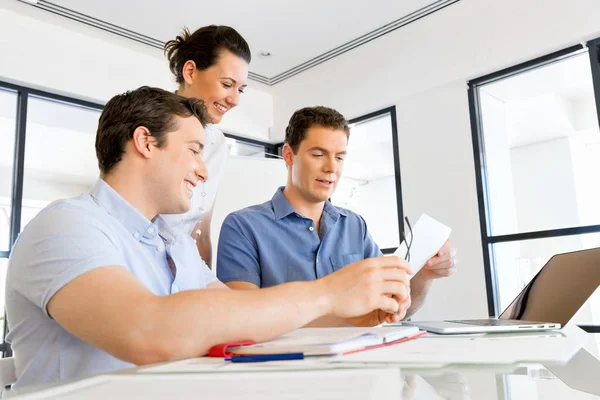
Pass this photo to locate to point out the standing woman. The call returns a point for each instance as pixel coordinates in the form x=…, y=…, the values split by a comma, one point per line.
x=210, y=64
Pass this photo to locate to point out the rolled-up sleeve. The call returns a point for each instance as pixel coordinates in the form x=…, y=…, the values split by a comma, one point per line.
x=237, y=254
x=61, y=244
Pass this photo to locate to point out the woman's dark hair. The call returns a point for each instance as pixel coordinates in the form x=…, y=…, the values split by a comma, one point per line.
x=204, y=47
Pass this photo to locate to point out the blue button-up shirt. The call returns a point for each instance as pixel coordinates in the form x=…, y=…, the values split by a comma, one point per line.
x=270, y=243
x=68, y=239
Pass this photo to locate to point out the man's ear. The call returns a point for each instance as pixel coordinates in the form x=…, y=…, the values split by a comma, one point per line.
x=188, y=71
x=143, y=141
x=288, y=155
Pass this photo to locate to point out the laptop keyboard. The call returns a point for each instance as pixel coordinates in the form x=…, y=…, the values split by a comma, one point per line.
x=491, y=322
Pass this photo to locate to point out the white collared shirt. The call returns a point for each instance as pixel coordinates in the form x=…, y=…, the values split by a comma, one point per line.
x=215, y=155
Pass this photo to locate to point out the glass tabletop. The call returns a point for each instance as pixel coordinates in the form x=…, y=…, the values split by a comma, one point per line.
x=318, y=379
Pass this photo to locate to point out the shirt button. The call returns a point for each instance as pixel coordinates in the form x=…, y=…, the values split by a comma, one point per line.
x=160, y=247
x=151, y=230
x=136, y=235
x=174, y=288
x=310, y=228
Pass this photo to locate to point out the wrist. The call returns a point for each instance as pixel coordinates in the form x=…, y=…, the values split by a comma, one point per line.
x=324, y=297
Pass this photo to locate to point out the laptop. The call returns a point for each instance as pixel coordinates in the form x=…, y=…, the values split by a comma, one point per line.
x=548, y=302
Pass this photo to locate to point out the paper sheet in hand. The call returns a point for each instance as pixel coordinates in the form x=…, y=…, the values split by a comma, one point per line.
x=429, y=237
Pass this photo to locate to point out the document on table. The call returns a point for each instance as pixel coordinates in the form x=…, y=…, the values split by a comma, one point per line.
x=428, y=237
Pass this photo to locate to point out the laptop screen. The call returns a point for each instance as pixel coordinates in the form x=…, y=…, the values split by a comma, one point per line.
x=559, y=289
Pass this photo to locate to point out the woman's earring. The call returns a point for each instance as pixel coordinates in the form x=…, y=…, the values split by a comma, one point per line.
x=203, y=195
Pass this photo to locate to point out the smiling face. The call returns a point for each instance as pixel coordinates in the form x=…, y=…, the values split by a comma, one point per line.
x=178, y=166
x=220, y=85
x=315, y=169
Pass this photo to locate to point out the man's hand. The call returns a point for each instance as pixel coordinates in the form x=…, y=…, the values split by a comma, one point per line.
x=377, y=317
x=441, y=265
x=372, y=290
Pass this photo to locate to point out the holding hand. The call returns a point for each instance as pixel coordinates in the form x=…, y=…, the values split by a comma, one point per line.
x=370, y=291
x=442, y=265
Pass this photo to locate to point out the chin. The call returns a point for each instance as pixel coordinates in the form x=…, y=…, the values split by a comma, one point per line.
x=215, y=119
x=320, y=197
x=181, y=208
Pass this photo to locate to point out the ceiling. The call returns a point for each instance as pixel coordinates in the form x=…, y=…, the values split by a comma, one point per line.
x=299, y=35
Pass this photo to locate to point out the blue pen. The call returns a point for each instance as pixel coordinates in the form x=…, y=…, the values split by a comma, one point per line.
x=267, y=357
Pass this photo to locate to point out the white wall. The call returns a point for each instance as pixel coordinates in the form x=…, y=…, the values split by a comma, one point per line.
x=423, y=69
x=246, y=181
x=41, y=50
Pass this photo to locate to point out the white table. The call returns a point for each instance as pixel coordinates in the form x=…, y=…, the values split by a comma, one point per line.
x=325, y=380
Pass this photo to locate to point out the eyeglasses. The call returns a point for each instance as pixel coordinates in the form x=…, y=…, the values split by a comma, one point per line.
x=404, y=239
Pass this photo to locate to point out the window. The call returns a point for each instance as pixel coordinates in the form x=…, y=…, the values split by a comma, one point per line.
x=8, y=115
x=60, y=158
x=240, y=146
x=370, y=184
x=46, y=153
x=537, y=158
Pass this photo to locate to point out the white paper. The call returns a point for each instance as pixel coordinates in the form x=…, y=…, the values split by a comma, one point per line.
x=429, y=236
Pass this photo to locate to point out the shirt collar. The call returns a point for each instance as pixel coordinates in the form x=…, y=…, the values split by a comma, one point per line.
x=283, y=208
x=281, y=205
x=120, y=209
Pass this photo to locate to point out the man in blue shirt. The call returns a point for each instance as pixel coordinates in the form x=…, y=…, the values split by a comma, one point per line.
x=100, y=282
x=299, y=235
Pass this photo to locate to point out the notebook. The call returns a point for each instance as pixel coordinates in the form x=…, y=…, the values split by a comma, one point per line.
x=330, y=341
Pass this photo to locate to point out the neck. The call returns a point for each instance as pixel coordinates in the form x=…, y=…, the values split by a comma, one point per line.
x=183, y=91
x=304, y=207
x=132, y=189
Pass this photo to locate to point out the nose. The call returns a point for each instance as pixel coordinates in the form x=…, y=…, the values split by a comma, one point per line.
x=234, y=99
x=330, y=164
x=201, y=171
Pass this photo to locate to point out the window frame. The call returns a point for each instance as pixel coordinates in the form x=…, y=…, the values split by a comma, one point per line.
x=396, y=149
x=487, y=239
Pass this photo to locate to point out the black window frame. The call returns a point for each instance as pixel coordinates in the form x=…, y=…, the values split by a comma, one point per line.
x=487, y=239
x=272, y=150
x=396, y=149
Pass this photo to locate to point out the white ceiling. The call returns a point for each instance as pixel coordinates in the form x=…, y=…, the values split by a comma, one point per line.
x=293, y=32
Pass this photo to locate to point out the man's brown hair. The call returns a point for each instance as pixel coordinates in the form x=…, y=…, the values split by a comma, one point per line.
x=153, y=108
x=308, y=117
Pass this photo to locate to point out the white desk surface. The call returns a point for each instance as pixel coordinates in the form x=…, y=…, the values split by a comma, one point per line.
x=322, y=379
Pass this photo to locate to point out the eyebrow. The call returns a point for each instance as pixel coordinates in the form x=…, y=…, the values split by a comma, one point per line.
x=233, y=80
x=201, y=145
x=317, y=148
